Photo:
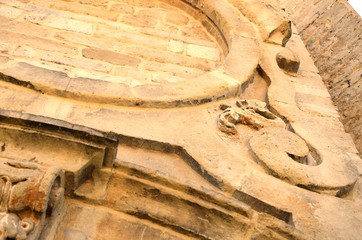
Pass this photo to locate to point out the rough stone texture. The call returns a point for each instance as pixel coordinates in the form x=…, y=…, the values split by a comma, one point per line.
x=146, y=51
x=75, y=27
x=146, y=119
x=332, y=32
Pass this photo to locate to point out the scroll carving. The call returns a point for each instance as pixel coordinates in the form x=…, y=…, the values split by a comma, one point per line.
x=275, y=63
x=287, y=156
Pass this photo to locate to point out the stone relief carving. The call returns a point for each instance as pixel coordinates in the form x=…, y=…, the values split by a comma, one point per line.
x=248, y=112
x=28, y=196
x=11, y=226
x=30, y=193
x=287, y=156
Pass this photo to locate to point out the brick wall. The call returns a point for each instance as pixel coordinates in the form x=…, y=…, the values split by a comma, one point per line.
x=138, y=41
x=332, y=32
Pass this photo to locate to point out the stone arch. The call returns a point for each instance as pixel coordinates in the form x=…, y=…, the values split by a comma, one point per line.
x=234, y=33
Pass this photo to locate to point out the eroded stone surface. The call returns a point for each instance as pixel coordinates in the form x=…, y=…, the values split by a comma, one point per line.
x=248, y=112
x=29, y=195
x=336, y=49
x=288, y=61
x=146, y=159
x=287, y=156
x=157, y=59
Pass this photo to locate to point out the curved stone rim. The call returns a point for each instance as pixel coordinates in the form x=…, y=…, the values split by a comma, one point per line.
x=225, y=81
x=284, y=167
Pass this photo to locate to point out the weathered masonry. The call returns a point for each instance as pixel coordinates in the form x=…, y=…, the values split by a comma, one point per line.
x=332, y=32
x=168, y=119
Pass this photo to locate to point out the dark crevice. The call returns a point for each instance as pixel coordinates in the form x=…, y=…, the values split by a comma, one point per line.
x=261, y=206
x=266, y=114
x=187, y=232
x=21, y=83
x=302, y=160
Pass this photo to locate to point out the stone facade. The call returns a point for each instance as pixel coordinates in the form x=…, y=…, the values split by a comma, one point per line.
x=150, y=119
x=332, y=32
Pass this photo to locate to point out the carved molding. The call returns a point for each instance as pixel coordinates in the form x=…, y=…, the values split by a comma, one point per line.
x=29, y=194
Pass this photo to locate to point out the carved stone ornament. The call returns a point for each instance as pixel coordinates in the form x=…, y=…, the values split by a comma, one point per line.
x=248, y=112
x=28, y=197
x=169, y=120
x=287, y=156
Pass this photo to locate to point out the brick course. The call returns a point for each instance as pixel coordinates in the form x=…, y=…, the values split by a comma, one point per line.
x=132, y=38
x=111, y=57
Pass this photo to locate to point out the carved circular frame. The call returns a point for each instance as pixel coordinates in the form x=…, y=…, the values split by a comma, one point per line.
x=234, y=32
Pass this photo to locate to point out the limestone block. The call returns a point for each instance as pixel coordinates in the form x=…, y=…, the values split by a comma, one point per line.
x=24, y=51
x=203, y=52
x=111, y=57
x=37, y=43
x=70, y=25
x=146, y=21
x=176, y=46
x=177, y=19
x=75, y=62
x=122, y=8
x=165, y=57
x=23, y=27
x=4, y=47
x=85, y=10
x=9, y=12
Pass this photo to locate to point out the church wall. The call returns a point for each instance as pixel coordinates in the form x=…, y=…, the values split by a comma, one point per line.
x=332, y=32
